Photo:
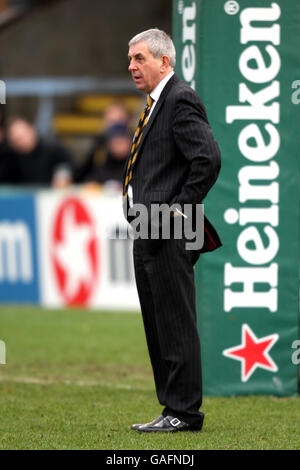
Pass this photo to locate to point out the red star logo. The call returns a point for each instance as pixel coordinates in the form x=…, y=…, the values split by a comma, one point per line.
x=253, y=352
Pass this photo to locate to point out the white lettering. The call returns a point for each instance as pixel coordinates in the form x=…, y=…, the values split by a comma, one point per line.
x=261, y=74
x=260, y=152
x=269, y=192
x=259, y=215
x=260, y=254
x=188, y=58
x=248, y=297
x=252, y=33
x=257, y=108
x=188, y=62
x=189, y=31
x=15, y=246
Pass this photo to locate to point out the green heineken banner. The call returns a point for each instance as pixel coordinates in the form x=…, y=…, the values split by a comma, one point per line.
x=242, y=57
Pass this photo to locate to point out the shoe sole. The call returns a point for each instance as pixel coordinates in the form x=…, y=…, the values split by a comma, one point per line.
x=168, y=430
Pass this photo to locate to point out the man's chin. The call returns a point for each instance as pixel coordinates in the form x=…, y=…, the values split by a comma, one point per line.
x=140, y=86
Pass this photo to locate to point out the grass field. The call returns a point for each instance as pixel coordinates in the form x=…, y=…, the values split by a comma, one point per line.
x=78, y=380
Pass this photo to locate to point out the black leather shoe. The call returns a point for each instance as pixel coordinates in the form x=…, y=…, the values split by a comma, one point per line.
x=171, y=424
x=156, y=420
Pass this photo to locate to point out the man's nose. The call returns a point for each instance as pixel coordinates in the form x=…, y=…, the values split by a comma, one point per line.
x=131, y=66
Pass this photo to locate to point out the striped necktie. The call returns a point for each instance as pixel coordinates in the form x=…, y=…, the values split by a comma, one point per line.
x=134, y=148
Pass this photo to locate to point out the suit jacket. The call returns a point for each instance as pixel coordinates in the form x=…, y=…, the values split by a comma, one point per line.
x=178, y=158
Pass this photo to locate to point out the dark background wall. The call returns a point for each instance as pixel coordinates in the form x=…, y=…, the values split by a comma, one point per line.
x=78, y=37
x=67, y=38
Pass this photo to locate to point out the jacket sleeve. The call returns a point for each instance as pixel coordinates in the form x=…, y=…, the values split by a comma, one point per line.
x=193, y=136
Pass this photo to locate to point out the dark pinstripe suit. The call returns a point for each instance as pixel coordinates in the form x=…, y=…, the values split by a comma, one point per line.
x=178, y=162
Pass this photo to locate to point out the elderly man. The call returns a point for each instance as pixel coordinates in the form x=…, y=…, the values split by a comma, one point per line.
x=174, y=160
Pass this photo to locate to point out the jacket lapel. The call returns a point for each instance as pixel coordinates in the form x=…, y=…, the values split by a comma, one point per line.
x=174, y=79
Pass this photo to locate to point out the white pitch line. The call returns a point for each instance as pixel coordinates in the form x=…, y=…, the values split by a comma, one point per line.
x=80, y=383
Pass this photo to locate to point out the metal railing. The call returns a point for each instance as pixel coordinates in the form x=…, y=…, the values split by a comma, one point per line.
x=48, y=88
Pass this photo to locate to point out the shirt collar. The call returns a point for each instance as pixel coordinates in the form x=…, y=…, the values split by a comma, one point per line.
x=155, y=94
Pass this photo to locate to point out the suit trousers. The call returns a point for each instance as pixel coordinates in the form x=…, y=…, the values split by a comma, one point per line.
x=165, y=282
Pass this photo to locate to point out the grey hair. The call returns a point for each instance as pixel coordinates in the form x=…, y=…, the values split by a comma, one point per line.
x=159, y=43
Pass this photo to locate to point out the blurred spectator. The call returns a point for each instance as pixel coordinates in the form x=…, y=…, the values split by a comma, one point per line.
x=115, y=114
x=4, y=160
x=37, y=162
x=7, y=162
x=118, y=143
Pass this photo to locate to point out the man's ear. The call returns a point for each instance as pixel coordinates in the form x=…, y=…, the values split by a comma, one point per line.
x=165, y=62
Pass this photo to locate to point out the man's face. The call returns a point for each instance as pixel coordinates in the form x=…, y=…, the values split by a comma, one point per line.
x=22, y=136
x=146, y=70
x=119, y=146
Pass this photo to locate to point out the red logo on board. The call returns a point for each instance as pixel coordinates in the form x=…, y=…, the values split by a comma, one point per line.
x=253, y=352
x=75, y=252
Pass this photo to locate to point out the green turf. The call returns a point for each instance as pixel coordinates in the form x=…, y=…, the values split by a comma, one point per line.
x=78, y=379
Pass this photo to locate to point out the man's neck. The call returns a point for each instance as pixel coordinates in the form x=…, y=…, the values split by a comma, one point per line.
x=161, y=79
x=159, y=87
x=166, y=73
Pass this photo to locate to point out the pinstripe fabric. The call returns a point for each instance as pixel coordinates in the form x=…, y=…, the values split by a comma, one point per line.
x=179, y=161
x=134, y=148
x=165, y=284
